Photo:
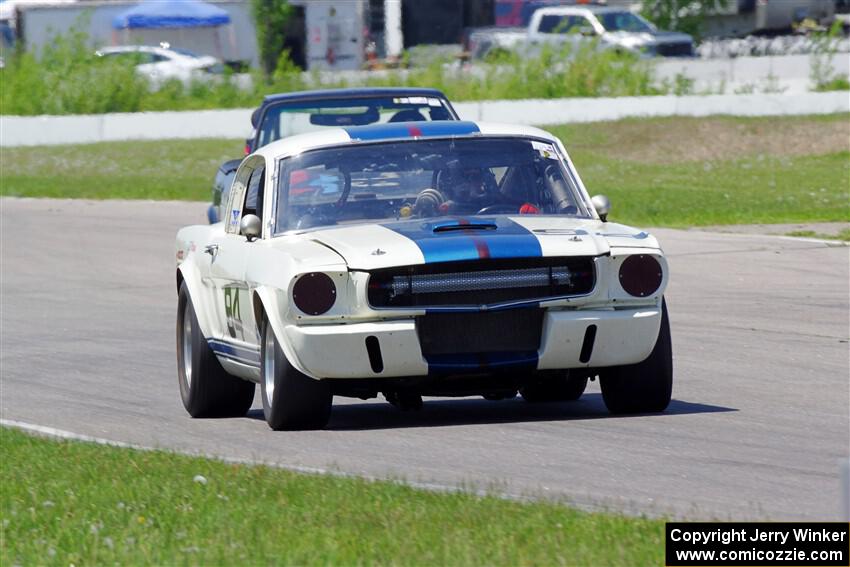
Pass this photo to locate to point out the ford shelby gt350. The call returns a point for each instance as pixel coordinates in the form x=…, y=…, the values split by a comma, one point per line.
x=416, y=259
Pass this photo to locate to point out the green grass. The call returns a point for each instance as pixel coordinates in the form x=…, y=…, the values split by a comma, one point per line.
x=173, y=169
x=718, y=170
x=70, y=502
x=836, y=84
x=68, y=78
x=771, y=190
x=657, y=172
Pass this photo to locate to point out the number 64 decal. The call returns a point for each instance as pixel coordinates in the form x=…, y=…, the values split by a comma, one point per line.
x=232, y=312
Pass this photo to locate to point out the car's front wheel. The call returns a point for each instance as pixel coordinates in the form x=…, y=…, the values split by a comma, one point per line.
x=644, y=387
x=291, y=400
x=206, y=389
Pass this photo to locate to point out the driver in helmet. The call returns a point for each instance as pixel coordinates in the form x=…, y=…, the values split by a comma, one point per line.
x=461, y=190
x=467, y=190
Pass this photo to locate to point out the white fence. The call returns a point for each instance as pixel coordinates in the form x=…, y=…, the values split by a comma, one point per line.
x=559, y=111
x=54, y=130
x=85, y=129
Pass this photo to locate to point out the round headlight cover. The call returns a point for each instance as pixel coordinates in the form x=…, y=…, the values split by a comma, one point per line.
x=314, y=293
x=641, y=275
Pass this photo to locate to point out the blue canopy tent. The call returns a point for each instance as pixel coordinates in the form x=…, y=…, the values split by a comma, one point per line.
x=192, y=21
x=171, y=14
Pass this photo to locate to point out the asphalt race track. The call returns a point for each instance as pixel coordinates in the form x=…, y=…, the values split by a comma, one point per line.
x=758, y=423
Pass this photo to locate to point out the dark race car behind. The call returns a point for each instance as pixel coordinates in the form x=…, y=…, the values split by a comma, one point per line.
x=283, y=115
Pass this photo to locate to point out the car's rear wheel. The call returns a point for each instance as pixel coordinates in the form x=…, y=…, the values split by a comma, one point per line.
x=291, y=400
x=644, y=387
x=554, y=386
x=206, y=389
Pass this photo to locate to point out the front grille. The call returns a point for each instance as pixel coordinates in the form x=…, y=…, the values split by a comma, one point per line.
x=674, y=49
x=484, y=282
x=515, y=330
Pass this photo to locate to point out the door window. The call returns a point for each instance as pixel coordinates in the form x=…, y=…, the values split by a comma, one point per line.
x=254, y=196
x=246, y=193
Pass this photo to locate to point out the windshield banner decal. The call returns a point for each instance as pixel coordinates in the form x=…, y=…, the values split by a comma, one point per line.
x=396, y=130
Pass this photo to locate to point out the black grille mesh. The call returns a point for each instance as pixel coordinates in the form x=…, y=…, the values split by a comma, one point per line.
x=486, y=332
x=484, y=282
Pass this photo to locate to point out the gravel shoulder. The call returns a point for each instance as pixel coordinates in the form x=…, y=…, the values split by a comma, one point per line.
x=821, y=229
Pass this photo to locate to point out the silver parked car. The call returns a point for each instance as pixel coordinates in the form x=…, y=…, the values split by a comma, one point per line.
x=163, y=62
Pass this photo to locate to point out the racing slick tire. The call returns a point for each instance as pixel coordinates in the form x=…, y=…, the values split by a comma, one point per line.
x=291, y=400
x=206, y=389
x=645, y=387
x=554, y=386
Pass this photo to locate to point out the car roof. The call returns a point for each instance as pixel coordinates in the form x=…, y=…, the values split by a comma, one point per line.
x=396, y=131
x=120, y=48
x=359, y=92
x=130, y=47
x=135, y=49
x=170, y=51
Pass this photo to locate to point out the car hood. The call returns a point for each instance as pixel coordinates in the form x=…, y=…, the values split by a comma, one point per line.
x=425, y=241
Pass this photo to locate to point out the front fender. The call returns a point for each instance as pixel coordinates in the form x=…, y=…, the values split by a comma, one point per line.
x=265, y=301
x=200, y=293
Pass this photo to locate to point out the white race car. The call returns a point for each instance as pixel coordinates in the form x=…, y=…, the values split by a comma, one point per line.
x=411, y=259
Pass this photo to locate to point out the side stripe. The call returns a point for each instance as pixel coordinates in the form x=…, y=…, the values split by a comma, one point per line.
x=507, y=240
x=241, y=354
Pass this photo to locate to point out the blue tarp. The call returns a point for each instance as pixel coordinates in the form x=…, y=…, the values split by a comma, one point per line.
x=171, y=14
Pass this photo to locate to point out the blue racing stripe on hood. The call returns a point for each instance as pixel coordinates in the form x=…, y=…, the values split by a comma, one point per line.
x=506, y=240
x=395, y=130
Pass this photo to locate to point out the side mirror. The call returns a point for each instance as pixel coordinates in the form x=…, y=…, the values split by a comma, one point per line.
x=602, y=206
x=250, y=227
x=587, y=31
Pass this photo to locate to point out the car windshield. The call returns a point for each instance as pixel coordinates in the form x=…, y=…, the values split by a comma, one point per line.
x=424, y=179
x=290, y=118
x=623, y=21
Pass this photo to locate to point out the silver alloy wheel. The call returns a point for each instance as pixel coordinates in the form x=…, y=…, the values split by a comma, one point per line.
x=187, y=345
x=268, y=364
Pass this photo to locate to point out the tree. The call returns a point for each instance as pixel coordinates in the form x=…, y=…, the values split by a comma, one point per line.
x=681, y=15
x=270, y=17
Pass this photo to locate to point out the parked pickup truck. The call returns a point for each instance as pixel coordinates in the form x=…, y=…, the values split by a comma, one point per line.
x=615, y=28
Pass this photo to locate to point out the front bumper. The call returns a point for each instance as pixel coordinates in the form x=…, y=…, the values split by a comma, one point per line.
x=623, y=336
